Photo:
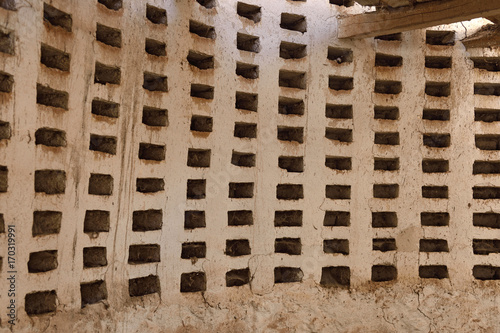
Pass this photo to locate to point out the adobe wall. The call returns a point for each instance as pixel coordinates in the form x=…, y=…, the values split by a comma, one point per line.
x=169, y=167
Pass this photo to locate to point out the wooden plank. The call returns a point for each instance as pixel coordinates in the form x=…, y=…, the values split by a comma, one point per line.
x=422, y=15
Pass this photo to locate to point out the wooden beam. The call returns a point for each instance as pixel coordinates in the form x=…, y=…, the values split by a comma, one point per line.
x=494, y=19
x=369, y=2
x=489, y=36
x=422, y=15
x=397, y=3
x=390, y=3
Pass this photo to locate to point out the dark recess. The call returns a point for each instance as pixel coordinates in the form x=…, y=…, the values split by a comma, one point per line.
x=154, y=116
x=53, y=58
x=384, y=244
x=193, y=282
x=433, y=272
x=248, y=11
x=339, y=246
x=289, y=192
x=290, y=50
x=337, y=219
x=248, y=71
x=156, y=15
x=93, y=292
x=43, y=261
x=40, y=302
x=57, y=18
x=336, y=276
x=194, y=250
x=103, y=144
x=243, y=159
x=237, y=247
x=196, y=189
x=147, y=220
x=432, y=219
x=382, y=273
x=200, y=60
x=107, y=74
x=96, y=221
x=237, y=277
x=109, y=36
x=105, y=108
x=143, y=253
x=94, y=257
x=384, y=220
x=288, y=218
x=239, y=217
x=339, y=55
x=144, y=286
x=338, y=192
x=338, y=163
x=112, y=4
x=194, y=219
x=291, y=246
x=338, y=111
x=248, y=43
x=45, y=222
x=440, y=37
x=287, y=274
x=386, y=112
x=293, y=22
x=201, y=29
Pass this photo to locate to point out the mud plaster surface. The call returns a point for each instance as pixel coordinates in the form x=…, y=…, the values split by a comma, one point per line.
x=458, y=304
x=307, y=307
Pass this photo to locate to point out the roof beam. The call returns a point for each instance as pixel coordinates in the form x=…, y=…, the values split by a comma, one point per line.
x=489, y=36
x=494, y=19
x=390, y=3
x=422, y=15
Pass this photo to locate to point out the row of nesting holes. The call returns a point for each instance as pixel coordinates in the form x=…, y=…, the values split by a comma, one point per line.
x=385, y=191
x=389, y=219
x=151, y=219
x=436, y=140
x=254, y=13
x=49, y=181
x=44, y=260
x=440, y=89
x=98, y=221
x=200, y=158
x=7, y=38
x=486, y=142
x=53, y=181
x=6, y=86
x=147, y=220
x=244, y=101
x=332, y=276
x=144, y=220
x=248, y=101
x=196, y=188
x=294, y=79
x=54, y=58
